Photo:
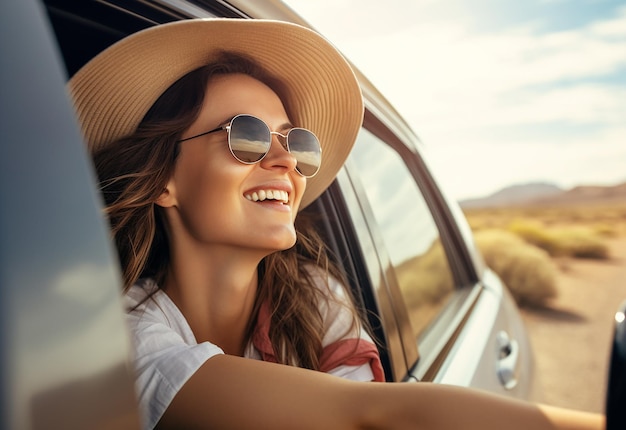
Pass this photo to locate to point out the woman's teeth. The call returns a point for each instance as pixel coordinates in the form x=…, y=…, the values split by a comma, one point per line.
x=261, y=195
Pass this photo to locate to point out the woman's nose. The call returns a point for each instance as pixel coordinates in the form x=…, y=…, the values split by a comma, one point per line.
x=278, y=156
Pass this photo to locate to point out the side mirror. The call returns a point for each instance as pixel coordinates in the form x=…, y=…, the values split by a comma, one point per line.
x=616, y=394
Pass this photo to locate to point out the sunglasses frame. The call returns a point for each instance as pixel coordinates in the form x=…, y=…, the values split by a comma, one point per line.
x=227, y=127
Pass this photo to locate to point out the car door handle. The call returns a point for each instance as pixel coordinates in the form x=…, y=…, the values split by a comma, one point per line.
x=508, y=355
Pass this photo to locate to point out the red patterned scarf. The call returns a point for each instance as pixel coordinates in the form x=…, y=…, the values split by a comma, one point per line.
x=347, y=352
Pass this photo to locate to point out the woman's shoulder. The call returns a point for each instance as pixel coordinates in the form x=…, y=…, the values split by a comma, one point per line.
x=348, y=349
x=146, y=298
x=141, y=291
x=326, y=282
x=335, y=302
x=147, y=306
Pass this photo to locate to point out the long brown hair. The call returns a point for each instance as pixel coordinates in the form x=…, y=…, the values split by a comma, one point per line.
x=134, y=171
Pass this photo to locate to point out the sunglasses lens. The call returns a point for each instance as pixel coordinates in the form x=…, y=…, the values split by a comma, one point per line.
x=249, y=138
x=306, y=149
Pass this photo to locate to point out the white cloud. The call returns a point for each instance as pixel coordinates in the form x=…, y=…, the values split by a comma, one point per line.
x=484, y=73
x=471, y=93
x=615, y=27
x=599, y=158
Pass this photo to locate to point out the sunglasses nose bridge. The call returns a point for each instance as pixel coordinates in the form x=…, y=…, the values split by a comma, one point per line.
x=281, y=138
x=280, y=156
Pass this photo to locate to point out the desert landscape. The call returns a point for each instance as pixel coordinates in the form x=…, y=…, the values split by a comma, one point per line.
x=571, y=247
x=572, y=334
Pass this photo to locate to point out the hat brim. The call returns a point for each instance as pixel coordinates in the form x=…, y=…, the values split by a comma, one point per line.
x=113, y=92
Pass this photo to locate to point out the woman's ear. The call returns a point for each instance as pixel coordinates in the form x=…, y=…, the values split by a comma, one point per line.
x=167, y=198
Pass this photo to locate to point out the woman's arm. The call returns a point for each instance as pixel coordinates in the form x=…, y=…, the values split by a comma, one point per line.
x=229, y=392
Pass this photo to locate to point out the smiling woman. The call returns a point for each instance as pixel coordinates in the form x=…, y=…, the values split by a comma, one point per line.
x=221, y=281
x=204, y=221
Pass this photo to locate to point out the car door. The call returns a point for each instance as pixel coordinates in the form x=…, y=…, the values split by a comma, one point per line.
x=63, y=342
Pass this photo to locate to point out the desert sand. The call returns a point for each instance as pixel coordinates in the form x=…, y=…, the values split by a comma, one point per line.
x=572, y=335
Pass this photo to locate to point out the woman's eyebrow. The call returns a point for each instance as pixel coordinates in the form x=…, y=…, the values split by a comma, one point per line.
x=285, y=126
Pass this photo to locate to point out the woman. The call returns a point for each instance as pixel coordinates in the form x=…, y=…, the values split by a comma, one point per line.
x=208, y=138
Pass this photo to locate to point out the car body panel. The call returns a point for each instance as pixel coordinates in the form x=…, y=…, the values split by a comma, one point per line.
x=478, y=345
x=64, y=341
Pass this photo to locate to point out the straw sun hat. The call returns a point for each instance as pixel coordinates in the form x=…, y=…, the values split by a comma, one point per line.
x=113, y=92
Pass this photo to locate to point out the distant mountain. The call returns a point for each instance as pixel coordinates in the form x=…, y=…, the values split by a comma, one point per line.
x=514, y=195
x=544, y=194
x=586, y=194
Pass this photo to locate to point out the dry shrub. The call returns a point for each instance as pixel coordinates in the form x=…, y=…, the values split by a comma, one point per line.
x=425, y=278
x=577, y=242
x=611, y=215
x=535, y=234
x=606, y=230
x=426, y=282
x=526, y=270
x=581, y=243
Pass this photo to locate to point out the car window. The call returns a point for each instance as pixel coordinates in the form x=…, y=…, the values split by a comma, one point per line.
x=408, y=229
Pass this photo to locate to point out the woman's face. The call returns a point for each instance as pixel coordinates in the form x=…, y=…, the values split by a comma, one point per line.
x=208, y=197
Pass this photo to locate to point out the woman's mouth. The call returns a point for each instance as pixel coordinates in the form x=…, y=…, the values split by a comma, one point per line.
x=263, y=195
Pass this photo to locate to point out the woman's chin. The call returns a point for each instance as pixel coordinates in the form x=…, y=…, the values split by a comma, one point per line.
x=282, y=244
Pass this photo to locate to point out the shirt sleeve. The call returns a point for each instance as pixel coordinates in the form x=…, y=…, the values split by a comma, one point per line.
x=165, y=353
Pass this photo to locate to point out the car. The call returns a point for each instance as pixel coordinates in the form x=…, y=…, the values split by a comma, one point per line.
x=438, y=313
x=616, y=390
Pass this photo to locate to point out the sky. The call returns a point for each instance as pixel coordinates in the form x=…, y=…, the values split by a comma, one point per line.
x=500, y=92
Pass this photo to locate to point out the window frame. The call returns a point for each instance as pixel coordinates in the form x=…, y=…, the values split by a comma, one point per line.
x=410, y=358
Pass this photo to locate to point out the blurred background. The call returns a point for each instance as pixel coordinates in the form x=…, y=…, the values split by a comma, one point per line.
x=501, y=92
x=521, y=109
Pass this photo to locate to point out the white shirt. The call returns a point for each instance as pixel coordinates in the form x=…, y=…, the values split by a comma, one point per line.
x=166, y=352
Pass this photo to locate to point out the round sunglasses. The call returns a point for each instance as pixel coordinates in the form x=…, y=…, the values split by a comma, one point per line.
x=250, y=139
